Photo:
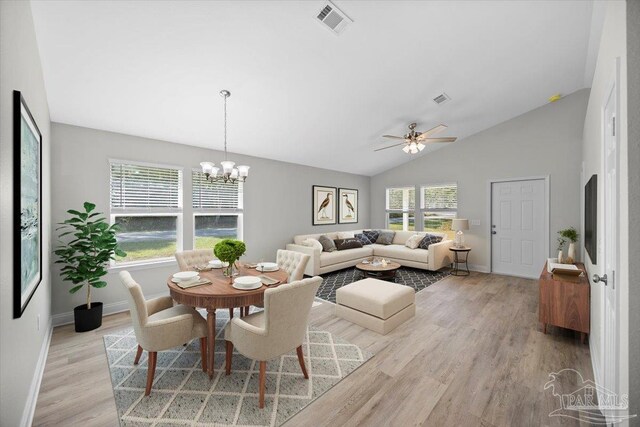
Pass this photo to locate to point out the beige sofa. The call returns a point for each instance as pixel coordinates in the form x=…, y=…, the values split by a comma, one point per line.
x=436, y=257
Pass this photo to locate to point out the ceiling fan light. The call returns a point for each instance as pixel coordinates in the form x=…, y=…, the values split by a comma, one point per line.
x=406, y=149
x=420, y=146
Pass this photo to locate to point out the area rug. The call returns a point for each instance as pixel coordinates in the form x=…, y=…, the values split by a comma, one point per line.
x=183, y=395
x=416, y=278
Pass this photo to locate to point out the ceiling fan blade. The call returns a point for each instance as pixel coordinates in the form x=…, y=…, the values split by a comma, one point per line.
x=391, y=146
x=394, y=137
x=432, y=131
x=443, y=139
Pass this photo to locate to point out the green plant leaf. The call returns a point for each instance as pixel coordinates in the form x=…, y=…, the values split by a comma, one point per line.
x=100, y=284
x=73, y=212
x=89, y=206
x=75, y=289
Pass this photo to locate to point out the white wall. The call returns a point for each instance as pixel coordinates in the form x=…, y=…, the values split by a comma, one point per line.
x=21, y=343
x=612, y=46
x=544, y=141
x=277, y=198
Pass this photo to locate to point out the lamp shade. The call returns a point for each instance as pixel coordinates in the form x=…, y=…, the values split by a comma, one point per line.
x=460, y=224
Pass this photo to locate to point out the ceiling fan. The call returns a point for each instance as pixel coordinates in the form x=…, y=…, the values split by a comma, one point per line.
x=414, y=141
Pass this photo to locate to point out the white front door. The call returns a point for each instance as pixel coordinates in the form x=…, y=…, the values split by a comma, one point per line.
x=518, y=227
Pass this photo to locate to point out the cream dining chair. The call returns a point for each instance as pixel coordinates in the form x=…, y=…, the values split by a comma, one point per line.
x=189, y=259
x=277, y=330
x=159, y=325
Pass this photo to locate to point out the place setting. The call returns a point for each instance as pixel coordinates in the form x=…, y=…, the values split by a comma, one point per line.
x=188, y=279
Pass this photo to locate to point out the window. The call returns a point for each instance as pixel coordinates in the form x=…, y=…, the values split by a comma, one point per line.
x=439, y=205
x=146, y=202
x=401, y=205
x=218, y=211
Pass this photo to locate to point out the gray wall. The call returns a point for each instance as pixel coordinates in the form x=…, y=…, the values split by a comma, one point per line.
x=544, y=141
x=633, y=63
x=21, y=342
x=277, y=197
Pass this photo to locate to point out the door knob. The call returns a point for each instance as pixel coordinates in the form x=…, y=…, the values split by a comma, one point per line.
x=602, y=279
x=494, y=232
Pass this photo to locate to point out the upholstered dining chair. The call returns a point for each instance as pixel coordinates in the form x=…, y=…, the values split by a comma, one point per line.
x=293, y=263
x=159, y=325
x=277, y=330
x=188, y=259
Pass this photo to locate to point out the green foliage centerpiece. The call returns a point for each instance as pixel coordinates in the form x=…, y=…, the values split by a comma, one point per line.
x=85, y=255
x=229, y=251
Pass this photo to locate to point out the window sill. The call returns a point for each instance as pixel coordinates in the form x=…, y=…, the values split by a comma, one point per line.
x=143, y=265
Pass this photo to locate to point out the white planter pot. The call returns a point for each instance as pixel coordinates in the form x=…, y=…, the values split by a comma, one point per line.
x=572, y=252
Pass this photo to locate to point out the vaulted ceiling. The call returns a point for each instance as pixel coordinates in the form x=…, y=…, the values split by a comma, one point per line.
x=300, y=93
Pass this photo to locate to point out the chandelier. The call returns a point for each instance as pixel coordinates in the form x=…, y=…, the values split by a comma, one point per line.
x=229, y=172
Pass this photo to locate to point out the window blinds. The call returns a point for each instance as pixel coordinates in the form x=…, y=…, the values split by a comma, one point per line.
x=137, y=186
x=401, y=199
x=440, y=197
x=215, y=195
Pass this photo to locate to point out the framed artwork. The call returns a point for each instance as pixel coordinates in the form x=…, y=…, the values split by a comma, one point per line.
x=347, y=206
x=27, y=208
x=324, y=205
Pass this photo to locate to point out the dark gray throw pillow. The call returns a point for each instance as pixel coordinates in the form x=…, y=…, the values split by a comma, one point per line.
x=429, y=239
x=372, y=235
x=386, y=237
x=351, y=243
x=327, y=244
x=362, y=238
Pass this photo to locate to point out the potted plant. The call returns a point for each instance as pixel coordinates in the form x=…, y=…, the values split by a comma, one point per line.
x=571, y=235
x=561, y=243
x=229, y=251
x=84, y=258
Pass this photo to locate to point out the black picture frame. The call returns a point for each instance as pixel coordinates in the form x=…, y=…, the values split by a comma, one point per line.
x=316, y=217
x=21, y=298
x=343, y=216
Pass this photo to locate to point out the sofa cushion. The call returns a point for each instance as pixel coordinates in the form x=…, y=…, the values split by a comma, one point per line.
x=371, y=234
x=385, y=237
x=344, y=244
x=336, y=257
x=327, y=244
x=413, y=241
x=313, y=243
x=298, y=239
x=401, y=252
x=401, y=237
x=362, y=238
x=429, y=239
x=376, y=297
x=346, y=235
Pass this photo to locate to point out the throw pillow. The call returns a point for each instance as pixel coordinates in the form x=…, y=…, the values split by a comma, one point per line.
x=362, y=238
x=313, y=243
x=372, y=235
x=345, y=235
x=414, y=241
x=385, y=237
x=342, y=244
x=429, y=239
x=327, y=244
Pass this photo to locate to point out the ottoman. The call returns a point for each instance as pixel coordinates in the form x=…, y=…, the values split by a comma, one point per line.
x=376, y=304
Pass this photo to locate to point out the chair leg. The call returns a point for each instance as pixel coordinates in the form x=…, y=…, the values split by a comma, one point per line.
x=138, y=354
x=263, y=380
x=151, y=371
x=246, y=310
x=231, y=313
x=203, y=353
x=228, y=357
x=301, y=360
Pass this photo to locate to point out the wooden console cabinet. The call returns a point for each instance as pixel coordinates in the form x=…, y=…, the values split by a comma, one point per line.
x=565, y=302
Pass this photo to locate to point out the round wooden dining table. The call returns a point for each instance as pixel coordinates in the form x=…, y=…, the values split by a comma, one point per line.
x=220, y=294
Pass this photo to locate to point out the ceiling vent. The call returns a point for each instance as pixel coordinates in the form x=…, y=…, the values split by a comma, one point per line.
x=441, y=99
x=333, y=18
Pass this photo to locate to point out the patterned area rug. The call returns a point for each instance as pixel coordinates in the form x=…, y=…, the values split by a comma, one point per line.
x=183, y=395
x=416, y=278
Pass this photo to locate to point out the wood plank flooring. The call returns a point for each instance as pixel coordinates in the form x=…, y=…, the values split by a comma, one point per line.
x=473, y=355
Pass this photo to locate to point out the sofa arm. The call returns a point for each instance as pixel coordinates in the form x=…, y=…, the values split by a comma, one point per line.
x=313, y=266
x=440, y=255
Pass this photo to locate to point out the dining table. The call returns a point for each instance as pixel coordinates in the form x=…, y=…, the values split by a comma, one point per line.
x=220, y=293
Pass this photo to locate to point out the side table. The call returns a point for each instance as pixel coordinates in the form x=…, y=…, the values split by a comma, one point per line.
x=461, y=255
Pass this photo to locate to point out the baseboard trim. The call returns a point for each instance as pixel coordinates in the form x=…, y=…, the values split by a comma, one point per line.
x=107, y=309
x=479, y=268
x=34, y=389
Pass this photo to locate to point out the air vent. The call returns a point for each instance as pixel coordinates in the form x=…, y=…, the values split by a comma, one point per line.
x=441, y=99
x=333, y=18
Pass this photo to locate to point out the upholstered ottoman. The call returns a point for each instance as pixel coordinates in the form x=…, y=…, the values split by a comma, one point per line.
x=376, y=304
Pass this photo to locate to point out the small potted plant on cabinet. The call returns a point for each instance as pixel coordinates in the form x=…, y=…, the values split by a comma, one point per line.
x=571, y=235
x=229, y=251
x=84, y=258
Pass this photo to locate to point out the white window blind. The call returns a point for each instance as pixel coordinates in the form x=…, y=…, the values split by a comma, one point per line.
x=440, y=198
x=138, y=186
x=215, y=195
x=401, y=199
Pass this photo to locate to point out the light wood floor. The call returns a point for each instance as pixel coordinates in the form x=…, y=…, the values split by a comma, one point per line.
x=473, y=355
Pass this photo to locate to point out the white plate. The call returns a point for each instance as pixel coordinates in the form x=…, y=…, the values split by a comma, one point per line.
x=244, y=288
x=186, y=282
x=247, y=281
x=213, y=264
x=185, y=275
x=267, y=266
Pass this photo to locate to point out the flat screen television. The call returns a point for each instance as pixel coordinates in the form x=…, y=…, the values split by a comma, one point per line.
x=591, y=218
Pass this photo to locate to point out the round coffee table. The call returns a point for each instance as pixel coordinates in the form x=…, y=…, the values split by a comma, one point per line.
x=387, y=272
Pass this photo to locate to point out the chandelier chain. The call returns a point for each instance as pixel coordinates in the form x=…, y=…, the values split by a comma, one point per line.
x=225, y=127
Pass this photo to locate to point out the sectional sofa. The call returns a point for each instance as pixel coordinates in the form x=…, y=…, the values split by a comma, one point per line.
x=434, y=258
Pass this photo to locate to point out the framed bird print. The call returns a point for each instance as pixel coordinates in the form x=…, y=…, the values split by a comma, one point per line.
x=347, y=206
x=324, y=205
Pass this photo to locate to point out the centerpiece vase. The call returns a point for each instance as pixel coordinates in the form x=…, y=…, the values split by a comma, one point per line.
x=231, y=270
x=571, y=256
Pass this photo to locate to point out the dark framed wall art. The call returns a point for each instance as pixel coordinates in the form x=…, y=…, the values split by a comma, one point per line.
x=324, y=205
x=27, y=205
x=347, y=206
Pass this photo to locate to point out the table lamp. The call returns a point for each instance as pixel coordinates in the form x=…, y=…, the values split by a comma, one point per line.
x=459, y=225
